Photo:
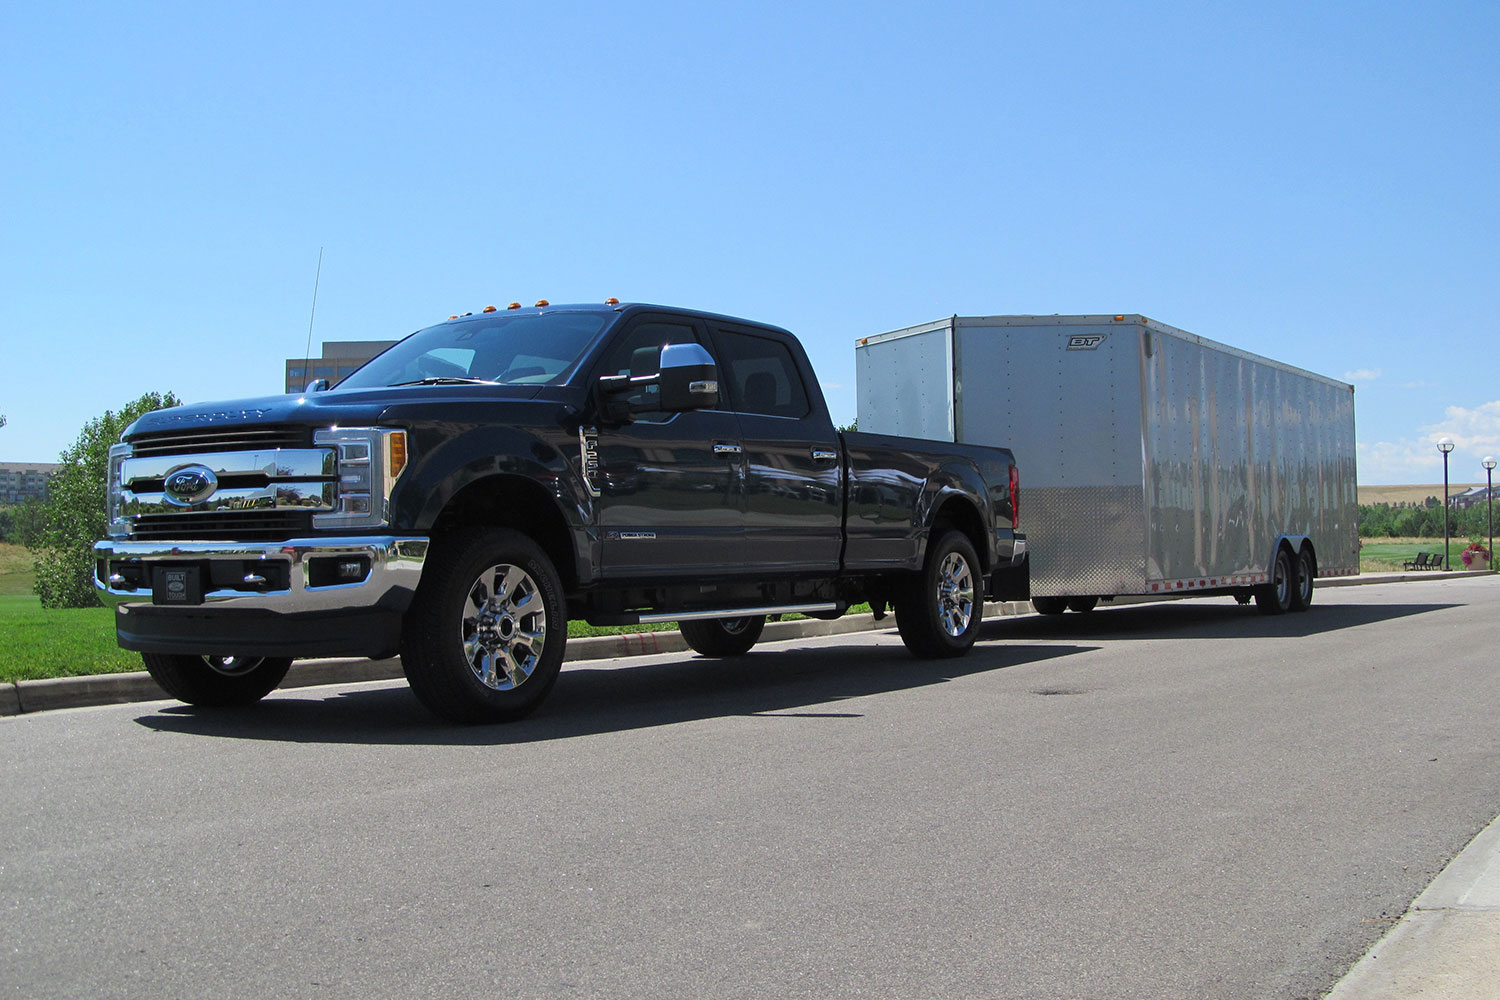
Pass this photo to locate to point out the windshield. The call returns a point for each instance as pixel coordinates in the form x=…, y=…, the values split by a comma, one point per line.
x=500, y=348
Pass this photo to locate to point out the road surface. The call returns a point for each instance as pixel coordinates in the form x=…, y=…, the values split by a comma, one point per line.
x=1179, y=800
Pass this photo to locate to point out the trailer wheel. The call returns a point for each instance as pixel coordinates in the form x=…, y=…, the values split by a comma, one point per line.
x=216, y=681
x=1275, y=598
x=1082, y=604
x=1049, y=605
x=1307, y=570
x=483, y=639
x=723, y=636
x=938, y=615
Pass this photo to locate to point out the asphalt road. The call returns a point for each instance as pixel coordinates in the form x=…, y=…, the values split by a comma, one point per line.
x=1182, y=800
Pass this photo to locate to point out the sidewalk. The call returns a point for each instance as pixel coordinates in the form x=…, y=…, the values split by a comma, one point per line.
x=1447, y=946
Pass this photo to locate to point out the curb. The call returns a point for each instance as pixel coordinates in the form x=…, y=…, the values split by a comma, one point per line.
x=27, y=697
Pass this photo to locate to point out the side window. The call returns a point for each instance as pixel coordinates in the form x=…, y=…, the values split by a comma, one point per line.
x=761, y=374
x=638, y=352
x=627, y=357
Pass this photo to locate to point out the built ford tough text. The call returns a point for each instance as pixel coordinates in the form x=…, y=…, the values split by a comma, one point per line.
x=463, y=495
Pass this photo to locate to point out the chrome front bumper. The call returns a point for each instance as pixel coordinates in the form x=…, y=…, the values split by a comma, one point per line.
x=276, y=577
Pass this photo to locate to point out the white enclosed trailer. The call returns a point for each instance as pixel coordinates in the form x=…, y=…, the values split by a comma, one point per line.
x=1153, y=462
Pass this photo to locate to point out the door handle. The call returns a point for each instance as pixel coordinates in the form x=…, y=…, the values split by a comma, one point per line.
x=723, y=448
x=824, y=455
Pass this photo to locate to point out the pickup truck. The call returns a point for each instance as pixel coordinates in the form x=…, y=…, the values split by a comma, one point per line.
x=463, y=495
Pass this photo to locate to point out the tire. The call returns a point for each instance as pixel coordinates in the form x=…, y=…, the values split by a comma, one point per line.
x=216, y=681
x=723, y=636
x=938, y=615
x=1307, y=571
x=1082, y=605
x=483, y=638
x=1275, y=598
x=1049, y=605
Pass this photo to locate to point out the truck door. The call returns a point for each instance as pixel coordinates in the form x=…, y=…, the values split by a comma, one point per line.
x=671, y=485
x=793, y=482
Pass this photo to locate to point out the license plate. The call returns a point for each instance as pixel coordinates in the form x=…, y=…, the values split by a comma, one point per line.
x=177, y=585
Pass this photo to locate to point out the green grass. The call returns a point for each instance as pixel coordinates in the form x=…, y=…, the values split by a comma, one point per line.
x=1387, y=555
x=36, y=643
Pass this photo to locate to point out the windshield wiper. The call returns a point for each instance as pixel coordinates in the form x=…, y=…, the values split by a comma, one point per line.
x=447, y=380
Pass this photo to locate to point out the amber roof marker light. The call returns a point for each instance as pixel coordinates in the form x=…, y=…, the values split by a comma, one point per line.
x=514, y=305
x=489, y=309
x=542, y=303
x=611, y=301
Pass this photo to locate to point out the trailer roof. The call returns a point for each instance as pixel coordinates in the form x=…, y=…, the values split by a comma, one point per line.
x=1116, y=319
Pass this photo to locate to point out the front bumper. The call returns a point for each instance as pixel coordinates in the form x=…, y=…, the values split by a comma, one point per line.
x=302, y=597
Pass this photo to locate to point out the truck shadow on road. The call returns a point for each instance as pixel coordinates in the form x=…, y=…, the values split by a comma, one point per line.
x=1178, y=620
x=808, y=683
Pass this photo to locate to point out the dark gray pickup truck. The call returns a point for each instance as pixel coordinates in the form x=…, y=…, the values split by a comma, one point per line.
x=463, y=495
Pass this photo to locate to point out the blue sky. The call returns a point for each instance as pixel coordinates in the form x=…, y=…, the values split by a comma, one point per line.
x=1312, y=182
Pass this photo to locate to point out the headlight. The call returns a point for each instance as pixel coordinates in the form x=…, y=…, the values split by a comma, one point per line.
x=118, y=524
x=369, y=460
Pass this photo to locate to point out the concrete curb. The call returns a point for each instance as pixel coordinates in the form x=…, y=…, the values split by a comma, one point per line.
x=1448, y=943
x=26, y=697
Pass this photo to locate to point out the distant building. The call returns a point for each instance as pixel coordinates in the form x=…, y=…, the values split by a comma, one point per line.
x=340, y=358
x=22, y=481
x=1479, y=494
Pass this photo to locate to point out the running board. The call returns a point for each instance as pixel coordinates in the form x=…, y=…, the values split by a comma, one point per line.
x=779, y=609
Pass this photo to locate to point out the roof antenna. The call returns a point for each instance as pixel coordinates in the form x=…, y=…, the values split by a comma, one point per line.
x=307, y=357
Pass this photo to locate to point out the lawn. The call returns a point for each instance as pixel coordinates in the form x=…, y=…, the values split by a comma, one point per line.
x=1387, y=555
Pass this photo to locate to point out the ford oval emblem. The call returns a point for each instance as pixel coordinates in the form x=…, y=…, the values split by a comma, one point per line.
x=190, y=484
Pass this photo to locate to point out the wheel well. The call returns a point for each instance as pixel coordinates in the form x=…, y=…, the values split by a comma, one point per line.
x=963, y=516
x=1312, y=553
x=508, y=502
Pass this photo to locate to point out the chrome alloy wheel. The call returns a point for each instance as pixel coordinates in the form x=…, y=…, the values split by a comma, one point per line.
x=504, y=627
x=233, y=666
x=955, y=594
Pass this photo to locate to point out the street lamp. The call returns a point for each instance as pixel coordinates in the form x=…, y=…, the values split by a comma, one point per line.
x=1445, y=445
x=1489, y=499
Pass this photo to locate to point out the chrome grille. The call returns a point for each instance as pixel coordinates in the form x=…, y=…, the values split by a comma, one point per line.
x=222, y=439
x=270, y=526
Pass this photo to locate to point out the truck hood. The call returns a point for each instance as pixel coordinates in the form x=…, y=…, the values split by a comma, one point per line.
x=348, y=407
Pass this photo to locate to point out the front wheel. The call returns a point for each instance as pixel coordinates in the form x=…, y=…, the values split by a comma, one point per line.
x=484, y=636
x=723, y=636
x=1275, y=598
x=938, y=615
x=1049, y=605
x=216, y=681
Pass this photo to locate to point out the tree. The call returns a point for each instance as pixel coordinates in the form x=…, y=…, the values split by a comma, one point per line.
x=73, y=513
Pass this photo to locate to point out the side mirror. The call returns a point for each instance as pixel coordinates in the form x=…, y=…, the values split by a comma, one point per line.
x=685, y=378
x=317, y=385
x=689, y=379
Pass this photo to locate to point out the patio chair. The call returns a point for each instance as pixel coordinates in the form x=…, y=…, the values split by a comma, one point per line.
x=1418, y=563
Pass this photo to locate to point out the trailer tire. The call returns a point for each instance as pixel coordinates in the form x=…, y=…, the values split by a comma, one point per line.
x=1049, y=605
x=1275, y=598
x=1307, y=571
x=216, y=681
x=483, y=638
x=939, y=611
x=723, y=636
x=1082, y=605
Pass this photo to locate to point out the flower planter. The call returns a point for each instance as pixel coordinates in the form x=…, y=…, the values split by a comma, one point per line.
x=1477, y=560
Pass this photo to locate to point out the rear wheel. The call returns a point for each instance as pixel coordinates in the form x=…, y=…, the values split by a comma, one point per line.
x=1307, y=571
x=484, y=636
x=216, y=681
x=1276, y=597
x=723, y=636
x=1082, y=604
x=938, y=615
x=1049, y=605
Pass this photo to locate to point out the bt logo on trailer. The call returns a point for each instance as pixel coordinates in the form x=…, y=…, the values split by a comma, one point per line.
x=1085, y=341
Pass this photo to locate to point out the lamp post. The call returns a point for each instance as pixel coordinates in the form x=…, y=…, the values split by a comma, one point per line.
x=1445, y=445
x=1489, y=500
